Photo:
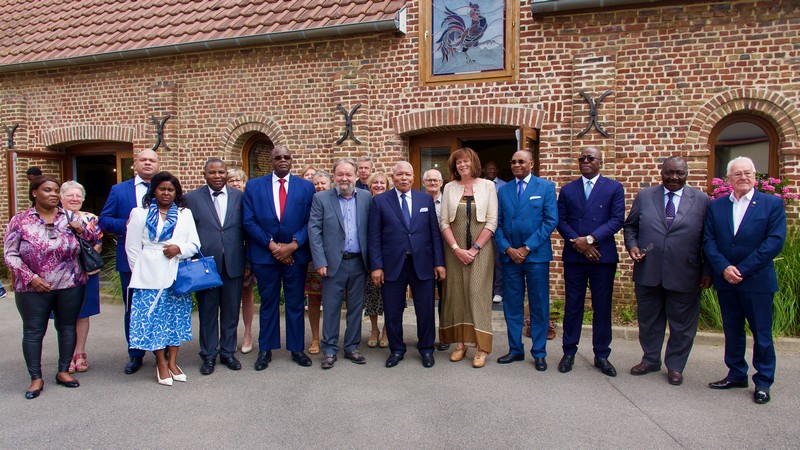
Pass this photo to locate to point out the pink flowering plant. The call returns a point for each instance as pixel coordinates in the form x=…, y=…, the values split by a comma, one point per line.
x=764, y=183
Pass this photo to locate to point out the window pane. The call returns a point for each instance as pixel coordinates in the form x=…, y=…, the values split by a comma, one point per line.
x=434, y=158
x=258, y=158
x=741, y=139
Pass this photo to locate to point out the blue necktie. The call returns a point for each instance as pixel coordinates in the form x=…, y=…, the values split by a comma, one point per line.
x=588, y=189
x=406, y=211
x=670, y=209
x=146, y=184
x=520, y=189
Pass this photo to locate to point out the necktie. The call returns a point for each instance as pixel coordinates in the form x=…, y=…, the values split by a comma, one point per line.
x=282, y=196
x=406, y=211
x=146, y=184
x=217, y=206
x=588, y=189
x=520, y=189
x=670, y=209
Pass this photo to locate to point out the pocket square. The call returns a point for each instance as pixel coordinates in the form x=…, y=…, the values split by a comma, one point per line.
x=423, y=210
x=535, y=197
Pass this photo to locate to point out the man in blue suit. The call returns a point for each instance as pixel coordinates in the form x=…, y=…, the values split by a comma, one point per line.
x=123, y=198
x=405, y=249
x=527, y=215
x=591, y=209
x=743, y=233
x=275, y=214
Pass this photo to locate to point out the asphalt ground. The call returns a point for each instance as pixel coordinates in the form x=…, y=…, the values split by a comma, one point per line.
x=448, y=406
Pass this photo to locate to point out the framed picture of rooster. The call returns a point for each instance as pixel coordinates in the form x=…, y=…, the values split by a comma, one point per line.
x=468, y=40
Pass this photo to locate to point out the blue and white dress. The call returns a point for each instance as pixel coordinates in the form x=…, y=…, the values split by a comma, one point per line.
x=159, y=317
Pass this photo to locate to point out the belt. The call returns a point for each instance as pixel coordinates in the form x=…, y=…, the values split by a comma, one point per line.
x=350, y=255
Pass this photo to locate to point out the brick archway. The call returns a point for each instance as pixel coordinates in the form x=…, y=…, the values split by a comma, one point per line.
x=438, y=119
x=84, y=133
x=239, y=130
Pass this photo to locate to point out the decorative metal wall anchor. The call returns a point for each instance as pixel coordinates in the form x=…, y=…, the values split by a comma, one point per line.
x=593, y=113
x=348, y=124
x=159, y=129
x=10, y=133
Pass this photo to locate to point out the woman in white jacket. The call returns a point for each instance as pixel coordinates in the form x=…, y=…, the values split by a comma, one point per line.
x=159, y=234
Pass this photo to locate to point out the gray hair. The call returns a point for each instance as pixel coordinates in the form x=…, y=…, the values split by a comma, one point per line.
x=72, y=184
x=366, y=159
x=344, y=161
x=741, y=159
x=232, y=173
x=321, y=174
x=425, y=175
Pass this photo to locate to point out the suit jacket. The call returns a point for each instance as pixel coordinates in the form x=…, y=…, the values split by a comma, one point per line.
x=224, y=242
x=529, y=222
x=114, y=217
x=601, y=215
x=326, y=228
x=485, y=203
x=388, y=235
x=261, y=222
x=760, y=239
x=676, y=260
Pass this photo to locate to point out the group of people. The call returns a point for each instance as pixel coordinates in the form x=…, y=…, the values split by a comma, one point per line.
x=363, y=239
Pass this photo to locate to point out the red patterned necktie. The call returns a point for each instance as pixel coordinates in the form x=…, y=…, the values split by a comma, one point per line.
x=282, y=195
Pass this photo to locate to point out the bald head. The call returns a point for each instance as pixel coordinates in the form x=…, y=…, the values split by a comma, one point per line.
x=403, y=176
x=147, y=164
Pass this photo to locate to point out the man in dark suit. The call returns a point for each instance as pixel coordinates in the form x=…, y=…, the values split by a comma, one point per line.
x=338, y=237
x=743, y=234
x=276, y=209
x=405, y=249
x=664, y=235
x=217, y=213
x=526, y=216
x=113, y=219
x=591, y=209
x=364, y=168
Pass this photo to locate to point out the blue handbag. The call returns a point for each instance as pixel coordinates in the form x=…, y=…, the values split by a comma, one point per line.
x=196, y=274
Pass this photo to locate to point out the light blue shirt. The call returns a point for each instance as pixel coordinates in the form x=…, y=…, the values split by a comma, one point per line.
x=350, y=221
x=676, y=199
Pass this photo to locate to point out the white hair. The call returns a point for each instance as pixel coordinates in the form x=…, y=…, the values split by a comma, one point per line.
x=739, y=159
x=72, y=184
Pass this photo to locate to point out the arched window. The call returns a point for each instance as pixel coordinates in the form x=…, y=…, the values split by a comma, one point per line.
x=743, y=135
x=256, y=156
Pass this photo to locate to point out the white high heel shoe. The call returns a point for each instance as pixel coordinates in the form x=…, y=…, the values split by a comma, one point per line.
x=180, y=376
x=165, y=381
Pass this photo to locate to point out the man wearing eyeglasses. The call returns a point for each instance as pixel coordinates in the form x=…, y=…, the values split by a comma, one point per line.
x=591, y=210
x=744, y=232
x=664, y=237
x=275, y=210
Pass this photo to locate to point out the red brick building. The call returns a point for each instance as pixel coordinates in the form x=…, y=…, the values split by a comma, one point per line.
x=85, y=83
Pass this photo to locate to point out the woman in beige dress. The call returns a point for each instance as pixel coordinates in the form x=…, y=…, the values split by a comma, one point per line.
x=468, y=222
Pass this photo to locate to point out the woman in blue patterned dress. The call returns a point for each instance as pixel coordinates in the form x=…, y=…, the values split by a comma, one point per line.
x=160, y=233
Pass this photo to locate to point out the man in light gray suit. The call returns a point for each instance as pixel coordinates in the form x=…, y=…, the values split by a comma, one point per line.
x=337, y=233
x=664, y=237
x=217, y=213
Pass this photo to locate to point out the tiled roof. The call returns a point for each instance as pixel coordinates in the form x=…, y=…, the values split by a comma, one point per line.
x=34, y=31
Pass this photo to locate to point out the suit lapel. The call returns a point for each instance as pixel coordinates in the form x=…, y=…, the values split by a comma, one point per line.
x=686, y=204
x=334, y=199
x=270, y=197
x=230, y=210
x=210, y=204
x=658, y=204
x=532, y=186
x=395, y=205
x=132, y=194
x=751, y=211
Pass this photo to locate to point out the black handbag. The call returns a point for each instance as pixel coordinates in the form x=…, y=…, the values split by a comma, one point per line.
x=196, y=274
x=91, y=261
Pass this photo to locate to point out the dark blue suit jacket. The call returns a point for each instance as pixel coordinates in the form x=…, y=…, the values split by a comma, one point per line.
x=388, y=235
x=115, y=214
x=602, y=216
x=759, y=240
x=528, y=222
x=261, y=220
x=224, y=242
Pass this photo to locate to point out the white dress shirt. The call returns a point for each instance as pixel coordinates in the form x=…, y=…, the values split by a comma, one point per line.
x=223, y=202
x=740, y=208
x=408, y=200
x=276, y=188
x=141, y=190
x=676, y=199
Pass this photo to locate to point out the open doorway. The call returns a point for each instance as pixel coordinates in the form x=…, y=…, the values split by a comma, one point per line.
x=97, y=173
x=498, y=151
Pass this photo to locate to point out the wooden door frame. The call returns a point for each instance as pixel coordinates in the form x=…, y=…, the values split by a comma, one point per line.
x=769, y=129
x=10, y=172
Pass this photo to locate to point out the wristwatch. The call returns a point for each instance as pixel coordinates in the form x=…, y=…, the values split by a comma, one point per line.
x=476, y=246
x=590, y=239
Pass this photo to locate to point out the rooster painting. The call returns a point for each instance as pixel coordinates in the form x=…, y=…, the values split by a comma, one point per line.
x=457, y=36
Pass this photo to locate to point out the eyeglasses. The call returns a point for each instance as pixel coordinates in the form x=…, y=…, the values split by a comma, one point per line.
x=739, y=175
x=431, y=180
x=282, y=157
x=519, y=161
x=51, y=230
x=586, y=158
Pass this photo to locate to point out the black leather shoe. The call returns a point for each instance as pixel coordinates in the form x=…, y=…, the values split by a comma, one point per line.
x=566, y=363
x=69, y=384
x=674, y=377
x=509, y=358
x=393, y=359
x=761, y=395
x=133, y=366
x=644, y=368
x=263, y=360
x=427, y=360
x=605, y=366
x=725, y=383
x=356, y=357
x=442, y=346
x=232, y=363
x=208, y=366
x=540, y=363
x=30, y=395
x=301, y=359
x=328, y=360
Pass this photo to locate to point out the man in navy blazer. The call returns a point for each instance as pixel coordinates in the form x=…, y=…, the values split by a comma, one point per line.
x=217, y=212
x=591, y=210
x=276, y=209
x=124, y=197
x=405, y=249
x=743, y=233
x=526, y=216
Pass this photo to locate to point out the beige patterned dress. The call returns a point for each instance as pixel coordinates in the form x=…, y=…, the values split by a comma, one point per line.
x=467, y=306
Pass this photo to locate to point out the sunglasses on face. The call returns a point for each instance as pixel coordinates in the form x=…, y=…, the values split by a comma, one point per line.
x=282, y=157
x=583, y=159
